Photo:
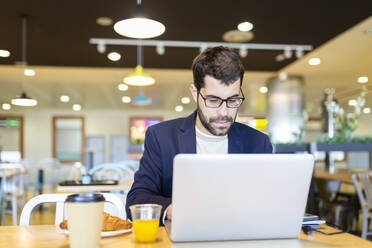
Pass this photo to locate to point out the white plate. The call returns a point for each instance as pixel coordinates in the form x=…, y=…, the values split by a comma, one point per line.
x=106, y=234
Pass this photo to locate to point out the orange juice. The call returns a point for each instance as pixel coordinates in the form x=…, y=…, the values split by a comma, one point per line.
x=145, y=230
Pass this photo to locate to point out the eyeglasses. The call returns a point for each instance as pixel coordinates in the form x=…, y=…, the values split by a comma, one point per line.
x=216, y=102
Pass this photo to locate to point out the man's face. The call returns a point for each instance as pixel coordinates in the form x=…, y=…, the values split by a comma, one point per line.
x=216, y=121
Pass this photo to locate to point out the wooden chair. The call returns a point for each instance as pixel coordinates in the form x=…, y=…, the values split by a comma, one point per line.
x=365, y=199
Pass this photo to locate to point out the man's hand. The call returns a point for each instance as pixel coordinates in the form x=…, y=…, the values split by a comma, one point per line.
x=169, y=213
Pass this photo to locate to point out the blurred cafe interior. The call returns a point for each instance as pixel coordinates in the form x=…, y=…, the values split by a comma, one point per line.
x=77, y=92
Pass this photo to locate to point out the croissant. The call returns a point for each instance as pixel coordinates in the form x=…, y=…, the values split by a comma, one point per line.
x=110, y=223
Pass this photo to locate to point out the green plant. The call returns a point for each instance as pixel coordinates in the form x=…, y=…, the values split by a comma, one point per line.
x=345, y=123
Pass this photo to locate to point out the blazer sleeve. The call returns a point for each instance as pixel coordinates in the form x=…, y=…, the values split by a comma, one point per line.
x=147, y=183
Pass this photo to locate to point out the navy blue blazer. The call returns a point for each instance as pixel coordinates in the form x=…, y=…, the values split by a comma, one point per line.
x=153, y=180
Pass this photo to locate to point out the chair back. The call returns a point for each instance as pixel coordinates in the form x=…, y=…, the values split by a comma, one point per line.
x=365, y=180
x=113, y=205
x=31, y=168
x=362, y=199
x=131, y=163
x=13, y=184
x=112, y=171
x=52, y=169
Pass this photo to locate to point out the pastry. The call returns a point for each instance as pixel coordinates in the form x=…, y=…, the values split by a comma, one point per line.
x=110, y=223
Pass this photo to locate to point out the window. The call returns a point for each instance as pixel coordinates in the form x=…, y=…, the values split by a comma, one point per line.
x=11, y=138
x=68, y=138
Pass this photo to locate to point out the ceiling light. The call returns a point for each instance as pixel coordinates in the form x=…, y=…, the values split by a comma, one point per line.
x=126, y=99
x=139, y=27
x=287, y=52
x=245, y=26
x=279, y=57
x=299, y=52
x=101, y=47
x=179, y=108
x=203, y=47
x=185, y=100
x=314, y=61
x=24, y=100
x=4, y=53
x=76, y=107
x=114, y=56
x=104, y=21
x=123, y=87
x=237, y=36
x=352, y=102
x=139, y=78
x=243, y=51
x=160, y=49
x=142, y=100
x=6, y=106
x=367, y=110
x=29, y=72
x=263, y=89
x=362, y=80
x=64, y=98
x=283, y=76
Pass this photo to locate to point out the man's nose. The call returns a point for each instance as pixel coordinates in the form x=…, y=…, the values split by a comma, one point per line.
x=223, y=109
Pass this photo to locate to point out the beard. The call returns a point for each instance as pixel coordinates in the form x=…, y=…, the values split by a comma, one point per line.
x=207, y=123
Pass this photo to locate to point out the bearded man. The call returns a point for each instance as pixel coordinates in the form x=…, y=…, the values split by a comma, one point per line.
x=211, y=129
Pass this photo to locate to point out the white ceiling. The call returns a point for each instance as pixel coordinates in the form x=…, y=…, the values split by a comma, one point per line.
x=343, y=60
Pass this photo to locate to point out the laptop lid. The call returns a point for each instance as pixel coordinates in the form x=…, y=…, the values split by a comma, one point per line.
x=239, y=196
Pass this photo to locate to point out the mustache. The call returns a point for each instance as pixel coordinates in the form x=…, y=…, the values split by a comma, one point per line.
x=223, y=118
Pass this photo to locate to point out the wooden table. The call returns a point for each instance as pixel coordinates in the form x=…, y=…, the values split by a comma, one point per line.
x=11, y=170
x=50, y=236
x=10, y=173
x=344, y=176
x=340, y=175
x=123, y=186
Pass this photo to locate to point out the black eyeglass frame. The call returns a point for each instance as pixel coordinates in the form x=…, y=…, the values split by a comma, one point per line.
x=223, y=100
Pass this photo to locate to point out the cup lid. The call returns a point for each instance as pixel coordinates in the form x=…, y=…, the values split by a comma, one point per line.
x=85, y=197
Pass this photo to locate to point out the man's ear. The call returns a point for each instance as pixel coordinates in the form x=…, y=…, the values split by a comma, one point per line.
x=194, y=92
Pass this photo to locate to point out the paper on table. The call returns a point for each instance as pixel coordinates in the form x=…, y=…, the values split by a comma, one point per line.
x=313, y=222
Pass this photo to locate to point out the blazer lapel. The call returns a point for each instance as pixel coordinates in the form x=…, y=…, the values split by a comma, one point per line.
x=186, y=136
x=235, y=144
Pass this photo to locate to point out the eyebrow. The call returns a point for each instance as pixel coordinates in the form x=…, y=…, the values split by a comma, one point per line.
x=213, y=96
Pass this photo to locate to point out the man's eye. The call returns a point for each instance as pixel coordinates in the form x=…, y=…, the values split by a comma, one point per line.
x=233, y=100
x=214, y=100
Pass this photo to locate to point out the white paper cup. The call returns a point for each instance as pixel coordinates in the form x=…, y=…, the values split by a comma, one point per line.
x=85, y=219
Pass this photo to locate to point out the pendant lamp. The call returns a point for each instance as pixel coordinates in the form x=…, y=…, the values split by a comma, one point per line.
x=23, y=99
x=142, y=100
x=139, y=27
x=139, y=78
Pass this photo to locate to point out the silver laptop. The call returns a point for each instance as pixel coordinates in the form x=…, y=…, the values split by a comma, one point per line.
x=239, y=196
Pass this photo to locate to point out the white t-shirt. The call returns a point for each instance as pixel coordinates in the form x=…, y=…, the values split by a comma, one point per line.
x=210, y=144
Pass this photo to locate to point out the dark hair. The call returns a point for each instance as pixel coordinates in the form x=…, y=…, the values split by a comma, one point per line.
x=220, y=62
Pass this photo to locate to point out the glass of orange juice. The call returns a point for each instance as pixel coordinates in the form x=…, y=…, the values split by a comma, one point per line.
x=145, y=219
